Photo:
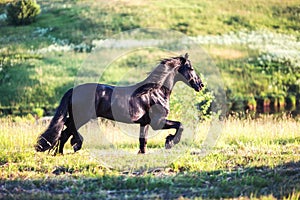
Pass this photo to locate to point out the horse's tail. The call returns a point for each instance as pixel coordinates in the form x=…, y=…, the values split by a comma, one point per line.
x=49, y=138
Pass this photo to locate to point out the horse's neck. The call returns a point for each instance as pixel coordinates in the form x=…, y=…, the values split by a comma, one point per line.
x=163, y=76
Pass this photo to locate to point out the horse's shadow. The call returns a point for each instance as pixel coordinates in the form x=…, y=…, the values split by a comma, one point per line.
x=251, y=182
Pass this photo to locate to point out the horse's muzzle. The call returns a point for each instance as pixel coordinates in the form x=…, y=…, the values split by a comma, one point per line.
x=197, y=86
x=201, y=86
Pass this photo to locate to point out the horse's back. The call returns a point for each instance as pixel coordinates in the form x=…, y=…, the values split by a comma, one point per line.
x=85, y=101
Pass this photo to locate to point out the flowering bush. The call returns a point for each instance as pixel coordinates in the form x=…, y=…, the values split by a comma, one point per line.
x=272, y=75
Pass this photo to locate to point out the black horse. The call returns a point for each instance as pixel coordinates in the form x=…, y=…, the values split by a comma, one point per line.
x=145, y=103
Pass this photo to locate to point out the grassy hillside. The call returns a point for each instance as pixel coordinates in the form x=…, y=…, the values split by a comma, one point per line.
x=39, y=61
x=96, y=19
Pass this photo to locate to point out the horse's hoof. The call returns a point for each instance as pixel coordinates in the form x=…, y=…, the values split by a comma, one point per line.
x=60, y=152
x=169, y=145
x=76, y=147
x=39, y=148
x=142, y=152
x=169, y=142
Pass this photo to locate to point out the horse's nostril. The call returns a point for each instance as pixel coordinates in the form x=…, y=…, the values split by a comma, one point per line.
x=201, y=85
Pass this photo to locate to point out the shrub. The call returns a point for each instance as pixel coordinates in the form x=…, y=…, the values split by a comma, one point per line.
x=38, y=112
x=250, y=102
x=22, y=12
x=291, y=100
x=238, y=102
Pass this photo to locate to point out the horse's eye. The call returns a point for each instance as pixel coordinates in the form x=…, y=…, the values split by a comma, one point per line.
x=189, y=67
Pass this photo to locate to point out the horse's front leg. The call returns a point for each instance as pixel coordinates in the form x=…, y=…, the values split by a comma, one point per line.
x=171, y=140
x=143, y=138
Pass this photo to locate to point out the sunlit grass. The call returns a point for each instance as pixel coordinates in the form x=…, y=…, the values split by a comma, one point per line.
x=264, y=130
x=249, y=154
x=265, y=139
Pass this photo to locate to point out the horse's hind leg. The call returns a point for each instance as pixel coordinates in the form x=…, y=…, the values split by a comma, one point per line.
x=143, y=138
x=65, y=135
x=76, y=141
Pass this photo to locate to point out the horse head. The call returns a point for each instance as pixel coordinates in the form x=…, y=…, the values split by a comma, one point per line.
x=188, y=75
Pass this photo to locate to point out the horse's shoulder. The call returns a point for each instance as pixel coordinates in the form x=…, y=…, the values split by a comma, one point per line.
x=145, y=89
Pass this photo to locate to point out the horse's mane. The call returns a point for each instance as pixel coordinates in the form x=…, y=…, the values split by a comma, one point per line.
x=163, y=69
x=171, y=61
x=156, y=79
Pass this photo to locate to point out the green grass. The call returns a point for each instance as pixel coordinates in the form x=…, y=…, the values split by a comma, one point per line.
x=192, y=17
x=74, y=19
x=252, y=159
x=34, y=82
x=40, y=79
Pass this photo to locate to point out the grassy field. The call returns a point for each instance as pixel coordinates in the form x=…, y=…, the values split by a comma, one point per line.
x=256, y=159
x=254, y=46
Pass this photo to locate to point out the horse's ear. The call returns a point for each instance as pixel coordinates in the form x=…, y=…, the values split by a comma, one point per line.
x=186, y=56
